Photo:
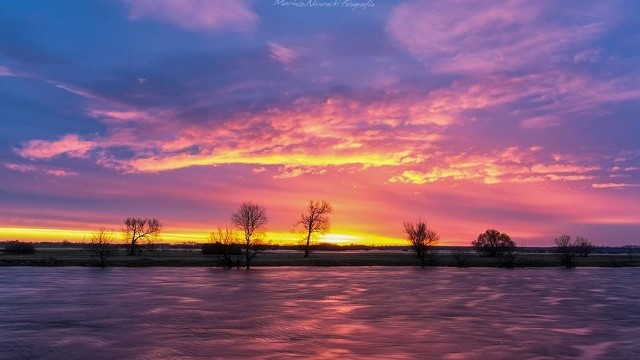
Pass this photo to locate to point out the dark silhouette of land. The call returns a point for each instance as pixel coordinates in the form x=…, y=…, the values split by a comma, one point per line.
x=76, y=254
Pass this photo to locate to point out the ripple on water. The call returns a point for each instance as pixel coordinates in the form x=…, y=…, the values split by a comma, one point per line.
x=382, y=313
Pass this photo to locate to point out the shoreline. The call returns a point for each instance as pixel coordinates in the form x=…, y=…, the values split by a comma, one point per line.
x=77, y=257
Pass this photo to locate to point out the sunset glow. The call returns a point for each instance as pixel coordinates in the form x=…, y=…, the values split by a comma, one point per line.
x=520, y=116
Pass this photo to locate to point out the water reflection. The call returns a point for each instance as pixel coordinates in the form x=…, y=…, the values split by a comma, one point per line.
x=174, y=313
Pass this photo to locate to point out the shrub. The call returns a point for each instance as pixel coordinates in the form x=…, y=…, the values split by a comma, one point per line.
x=19, y=248
x=566, y=250
x=584, y=247
x=219, y=248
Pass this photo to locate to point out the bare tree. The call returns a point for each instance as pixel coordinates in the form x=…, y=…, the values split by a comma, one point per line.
x=461, y=256
x=422, y=239
x=141, y=229
x=101, y=245
x=250, y=218
x=566, y=250
x=225, y=243
x=315, y=220
x=584, y=247
x=493, y=243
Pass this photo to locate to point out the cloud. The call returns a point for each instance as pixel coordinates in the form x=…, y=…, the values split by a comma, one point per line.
x=5, y=71
x=512, y=165
x=258, y=170
x=118, y=116
x=196, y=14
x=288, y=172
x=537, y=100
x=33, y=168
x=281, y=53
x=613, y=185
x=486, y=36
x=340, y=130
x=72, y=89
x=70, y=145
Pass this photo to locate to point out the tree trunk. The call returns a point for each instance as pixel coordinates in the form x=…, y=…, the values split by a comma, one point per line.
x=247, y=253
x=306, y=249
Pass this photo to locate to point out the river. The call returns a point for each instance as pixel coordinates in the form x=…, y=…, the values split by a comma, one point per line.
x=307, y=312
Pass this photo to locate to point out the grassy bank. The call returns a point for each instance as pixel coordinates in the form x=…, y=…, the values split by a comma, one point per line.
x=80, y=257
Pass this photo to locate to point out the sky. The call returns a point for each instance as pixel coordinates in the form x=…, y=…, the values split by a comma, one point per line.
x=516, y=115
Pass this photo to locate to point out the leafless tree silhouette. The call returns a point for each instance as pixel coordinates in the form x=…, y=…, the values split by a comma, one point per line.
x=566, y=250
x=422, y=239
x=584, y=247
x=315, y=220
x=226, y=244
x=141, y=229
x=250, y=218
x=101, y=245
x=493, y=243
x=461, y=256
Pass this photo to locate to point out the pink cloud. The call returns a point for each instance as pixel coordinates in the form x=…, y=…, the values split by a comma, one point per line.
x=258, y=170
x=613, y=185
x=70, y=145
x=196, y=14
x=281, y=53
x=557, y=95
x=33, y=168
x=5, y=71
x=59, y=172
x=483, y=36
x=511, y=165
x=20, y=167
x=118, y=116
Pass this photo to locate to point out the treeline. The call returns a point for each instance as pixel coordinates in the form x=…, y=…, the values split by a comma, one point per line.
x=239, y=242
x=18, y=248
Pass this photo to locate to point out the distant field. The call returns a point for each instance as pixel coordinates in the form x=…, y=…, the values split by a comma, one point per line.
x=80, y=257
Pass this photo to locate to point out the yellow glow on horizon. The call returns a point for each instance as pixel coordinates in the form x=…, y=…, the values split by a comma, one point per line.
x=177, y=237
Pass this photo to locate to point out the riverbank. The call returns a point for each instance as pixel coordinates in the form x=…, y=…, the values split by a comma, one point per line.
x=80, y=257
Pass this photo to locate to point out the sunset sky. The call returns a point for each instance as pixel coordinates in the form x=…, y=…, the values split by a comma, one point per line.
x=516, y=115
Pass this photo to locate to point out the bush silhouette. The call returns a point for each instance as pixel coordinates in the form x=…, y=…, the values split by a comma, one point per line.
x=493, y=243
x=19, y=248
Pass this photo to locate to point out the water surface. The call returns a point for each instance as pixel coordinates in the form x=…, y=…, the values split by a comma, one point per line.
x=178, y=313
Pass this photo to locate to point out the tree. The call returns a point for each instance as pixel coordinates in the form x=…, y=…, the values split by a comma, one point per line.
x=461, y=256
x=250, y=218
x=566, y=250
x=584, y=247
x=422, y=239
x=630, y=249
x=493, y=243
x=19, y=248
x=100, y=245
x=141, y=229
x=224, y=243
x=315, y=220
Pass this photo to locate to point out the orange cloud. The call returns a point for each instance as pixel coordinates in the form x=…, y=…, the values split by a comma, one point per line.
x=308, y=133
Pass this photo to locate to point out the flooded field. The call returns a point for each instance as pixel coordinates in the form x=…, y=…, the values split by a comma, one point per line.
x=301, y=312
